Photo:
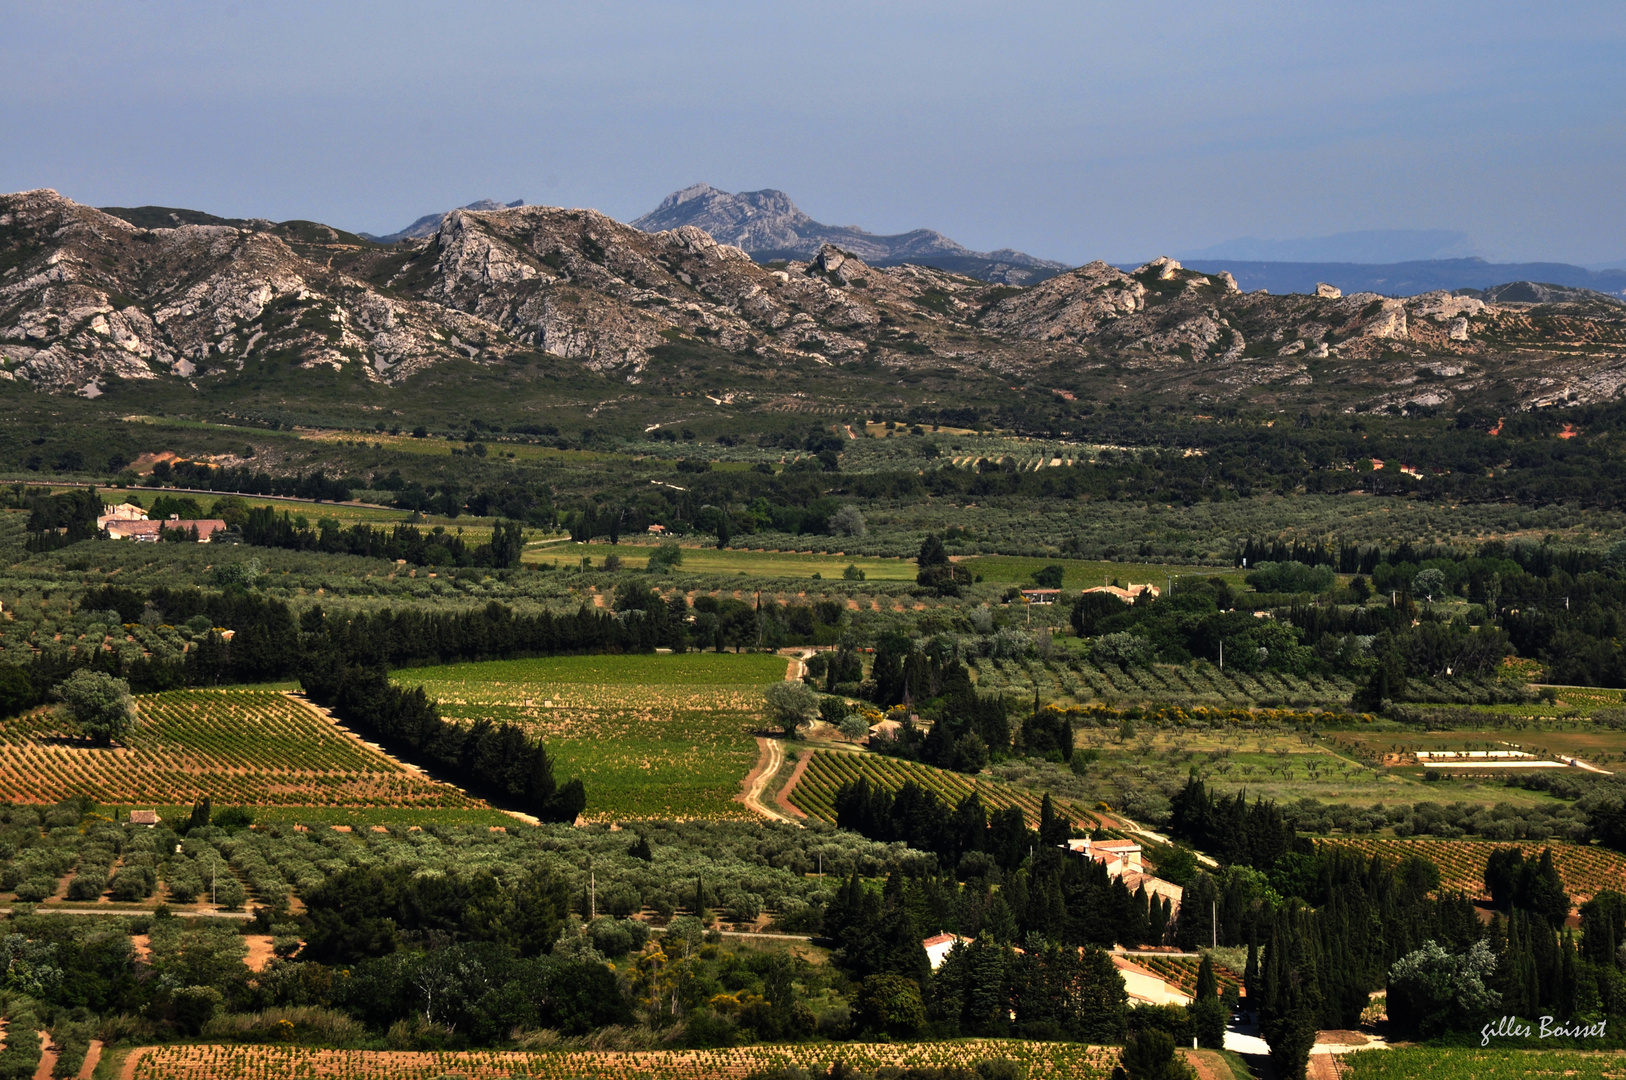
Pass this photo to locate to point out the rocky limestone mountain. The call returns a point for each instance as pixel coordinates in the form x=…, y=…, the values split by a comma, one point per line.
x=89, y=300
x=426, y=225
x=768, y=226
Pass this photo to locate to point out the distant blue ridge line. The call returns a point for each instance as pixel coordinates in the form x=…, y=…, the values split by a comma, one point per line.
x=1405, y=278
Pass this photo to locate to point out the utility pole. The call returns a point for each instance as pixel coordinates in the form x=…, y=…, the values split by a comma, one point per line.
x=1213, y=923
x=592, y=894
x=1222, y=654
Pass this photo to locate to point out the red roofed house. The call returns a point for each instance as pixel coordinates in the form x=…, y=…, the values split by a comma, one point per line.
x=122, y=512
x=149, y=531
x=146, y=531
x=938, y=947
x=1122, y=860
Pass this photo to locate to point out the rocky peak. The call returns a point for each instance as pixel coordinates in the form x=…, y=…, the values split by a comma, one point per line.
x=768, y=225
x=426, y=225
x=1163, y=268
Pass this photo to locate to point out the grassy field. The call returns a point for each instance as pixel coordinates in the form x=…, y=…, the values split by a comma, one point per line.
x=1586, y=870
x=993, y=569
x=1491, y=1063
x=1088, y=573
x=665, y=736
x=711, y=560
x=1062, y=1061
x=239, y=747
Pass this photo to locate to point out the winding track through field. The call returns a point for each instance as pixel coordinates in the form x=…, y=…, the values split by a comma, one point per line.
x=771, y=756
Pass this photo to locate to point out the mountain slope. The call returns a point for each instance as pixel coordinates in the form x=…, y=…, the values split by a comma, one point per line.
x=559, y=301
x=768, y=226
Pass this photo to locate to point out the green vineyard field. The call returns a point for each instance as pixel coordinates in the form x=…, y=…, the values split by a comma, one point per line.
x=650, y=736
x=828, y=770
x=242, y=747
x=1060, y=1061
x=1586, y=870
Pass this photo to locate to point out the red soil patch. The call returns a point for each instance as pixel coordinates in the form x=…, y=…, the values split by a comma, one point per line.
x=92, y=1056
x=259, y=951
x=47, y=1058
x=144, y=463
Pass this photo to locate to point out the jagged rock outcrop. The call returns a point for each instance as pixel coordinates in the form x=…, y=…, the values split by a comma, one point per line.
x=1068, y=307
x=101, y=299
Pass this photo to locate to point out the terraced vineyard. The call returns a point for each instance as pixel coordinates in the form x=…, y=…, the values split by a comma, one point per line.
x=650, y=736
x=1181, y=971
x=243, y=747
x=1062, y=1061
x=815, y=792
x=1202, y=684
x=1586, y=870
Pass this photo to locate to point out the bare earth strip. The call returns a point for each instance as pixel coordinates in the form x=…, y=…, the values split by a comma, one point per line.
x=47, y=1058
x=770, y=759
x=771, y=756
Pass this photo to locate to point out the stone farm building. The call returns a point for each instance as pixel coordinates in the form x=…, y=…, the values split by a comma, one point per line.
x=129, y=522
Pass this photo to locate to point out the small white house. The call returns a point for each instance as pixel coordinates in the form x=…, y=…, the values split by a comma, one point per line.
x=938, y=947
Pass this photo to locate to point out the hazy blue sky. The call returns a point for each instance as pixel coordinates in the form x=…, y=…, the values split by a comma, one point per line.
x=1071, y=130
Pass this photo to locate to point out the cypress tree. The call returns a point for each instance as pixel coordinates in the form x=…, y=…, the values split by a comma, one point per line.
x=1206, y=1012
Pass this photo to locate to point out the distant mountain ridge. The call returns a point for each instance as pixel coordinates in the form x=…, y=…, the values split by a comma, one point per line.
x=1373, y=246
x=767, y=225
x=426, y=225
x=1408, y=278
